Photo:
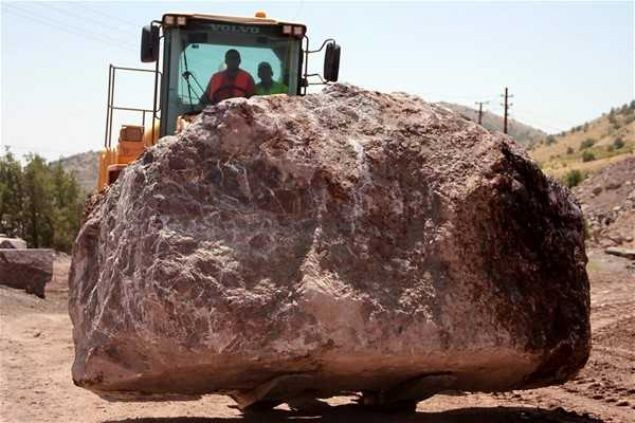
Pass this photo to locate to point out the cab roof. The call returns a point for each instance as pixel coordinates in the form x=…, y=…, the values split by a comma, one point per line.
x=251, y=20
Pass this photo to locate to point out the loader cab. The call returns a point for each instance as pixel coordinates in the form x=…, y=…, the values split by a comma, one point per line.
x=194, y=48
x=186, y=50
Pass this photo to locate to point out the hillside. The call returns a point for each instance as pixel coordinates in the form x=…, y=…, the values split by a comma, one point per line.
x=608, y=203
x=85, y=168
x=590, y=147
x=521, y=132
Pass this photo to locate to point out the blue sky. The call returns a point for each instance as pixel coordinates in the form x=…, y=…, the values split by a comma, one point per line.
x=564, y=62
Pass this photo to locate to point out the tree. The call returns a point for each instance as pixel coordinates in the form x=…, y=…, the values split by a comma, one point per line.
x=11, y=195
x=37, y=205
x=67, y=208
x=38, y=202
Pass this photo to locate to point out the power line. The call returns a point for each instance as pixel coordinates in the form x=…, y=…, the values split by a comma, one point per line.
x=68, y=23
x=452, y=97
x=84, y=18
x=542, y=120
x=56, y=25
x=109, y=17
x=105, y=38
x=64, y=27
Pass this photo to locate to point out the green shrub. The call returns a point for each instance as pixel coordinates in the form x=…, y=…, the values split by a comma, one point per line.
x=618, y=143
x=612, y=119
x=569, y=150
x=587, y=143
x=587, y=156
x=550, y=140
x=610, y=148
x=573, y=178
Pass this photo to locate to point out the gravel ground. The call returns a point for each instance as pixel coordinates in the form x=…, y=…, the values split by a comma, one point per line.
x=37, y=351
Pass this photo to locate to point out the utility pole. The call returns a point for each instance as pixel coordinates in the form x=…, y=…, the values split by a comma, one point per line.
x=480, y=110
x=507, y=105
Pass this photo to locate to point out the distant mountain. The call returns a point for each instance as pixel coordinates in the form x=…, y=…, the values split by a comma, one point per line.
x=524, y=134
x=590, y=147
x=85, y=166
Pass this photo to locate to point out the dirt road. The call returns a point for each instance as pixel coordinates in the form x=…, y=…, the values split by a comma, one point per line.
x=36, y=355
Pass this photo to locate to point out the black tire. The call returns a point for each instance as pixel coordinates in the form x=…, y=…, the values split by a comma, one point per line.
x=261, y=406
x=308, y=405
x=400, y=407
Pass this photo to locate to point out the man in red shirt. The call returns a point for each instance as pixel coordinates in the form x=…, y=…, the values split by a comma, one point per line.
x=232, y=82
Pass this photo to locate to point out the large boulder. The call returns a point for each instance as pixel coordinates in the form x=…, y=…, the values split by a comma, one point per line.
x=347, y=240
x=27, y=269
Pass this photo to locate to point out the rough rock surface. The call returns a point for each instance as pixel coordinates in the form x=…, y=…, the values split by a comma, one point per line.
x=28, y=269
x=347, y=240
x=608, y=203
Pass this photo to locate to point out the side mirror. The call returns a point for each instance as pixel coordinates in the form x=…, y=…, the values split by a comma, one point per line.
x=332, y=62
x=150, y=43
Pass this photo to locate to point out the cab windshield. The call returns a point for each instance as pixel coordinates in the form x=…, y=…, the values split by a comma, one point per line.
x=196, y=52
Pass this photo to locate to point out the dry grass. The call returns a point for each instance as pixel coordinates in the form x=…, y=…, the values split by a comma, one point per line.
x=565, y=154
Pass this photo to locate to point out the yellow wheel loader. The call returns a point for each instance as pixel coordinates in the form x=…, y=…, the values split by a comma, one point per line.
x=188, y=49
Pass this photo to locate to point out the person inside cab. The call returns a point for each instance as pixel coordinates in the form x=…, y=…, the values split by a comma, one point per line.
x=267, y=85
x=231, y=82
